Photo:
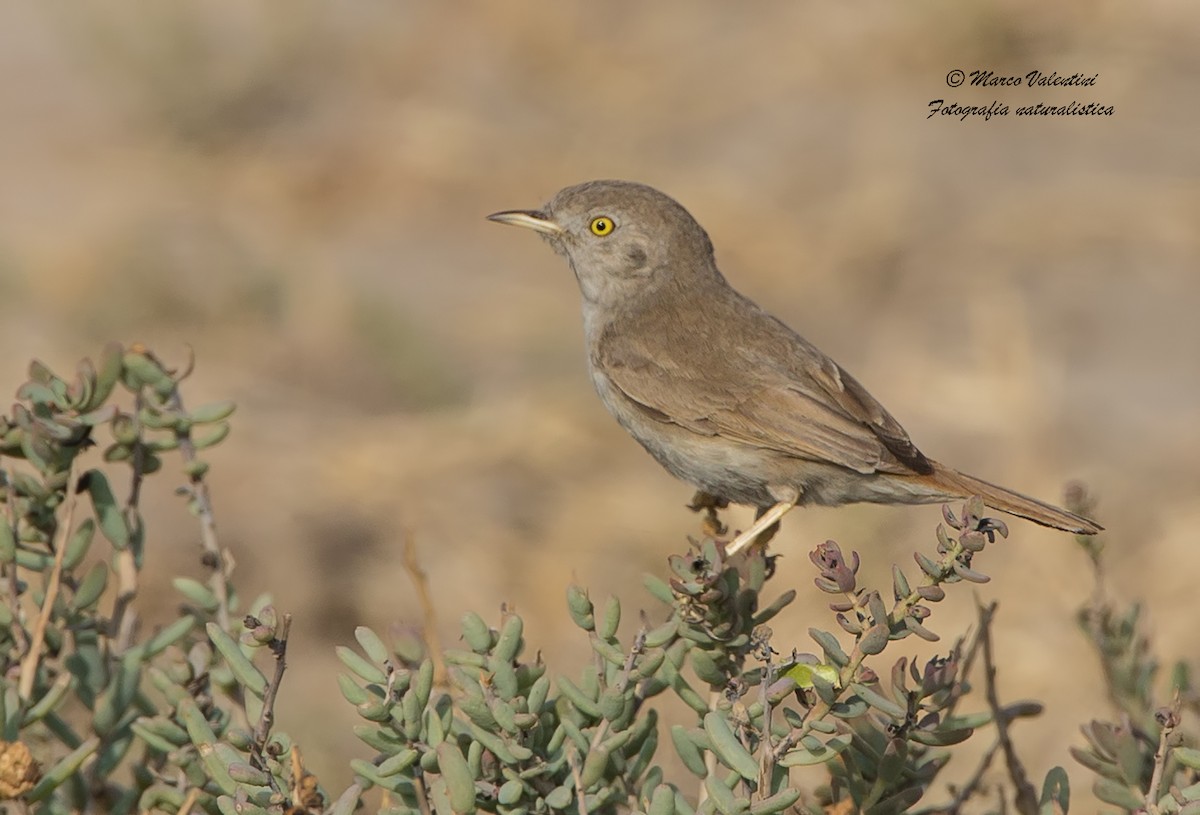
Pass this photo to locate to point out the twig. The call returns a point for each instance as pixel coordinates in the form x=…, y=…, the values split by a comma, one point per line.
x=945, y=566
x=189, y=801
x=122, y=625
x=1168, y=720
x=433, y=642
x=214, y=558
x=14, y=594
x=710, y=757
x=639, y=644
x=1026, y=800
x=30, y=664
x=767, y=750
x=974, y=782
x=573, y=761
x=967, y=662
x=263, y=731
x=422, y=792
x=120, y=628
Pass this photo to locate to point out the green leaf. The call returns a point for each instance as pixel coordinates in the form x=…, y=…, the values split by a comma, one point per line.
x=363, y=668
x=508, y=644
x=874, y=640
x=849, y=708
x=879, y=702
x=707, y=669
x=352, y=692
x=243, y=773
x=510, y=792
x=611, y=704
x=689, y=752
x=1118, y=794
x=930, y=567
x=596, y=760
x=776, y=803
x=939, y=738
x=371, y=644
x=476, y=633
x=780, y=603
x=107, y=374
x=197, y=593
x=662, y=802
x=967, y=720
x=77, y=545
x=1056, y=789
x=170, y=635
x=8, y=542
x=1188, y=757
x=243, y=669
x=493, y=743
x=728, y=747
x=610, y=618
x=62, y=771
x=810, y=753
x=802, y=674
x=1096, y=764
x=212, y=437
x=370, y=772
x=581, y=608
x=582, y=703
x=723, y=798
x=831, y=647
x=198, y=728
x=560, y=798
x=90, y=588
x=213, y=412
x=382, y=739
x=658, y=588
x=108, y=513
x=611, y=653
x=51, y=699
x=151, y=739
x=536, y=697
x=663, y=634
x=162, y=730
x=460, y=784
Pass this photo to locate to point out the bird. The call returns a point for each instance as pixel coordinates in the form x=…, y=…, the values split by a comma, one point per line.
x=723, y=395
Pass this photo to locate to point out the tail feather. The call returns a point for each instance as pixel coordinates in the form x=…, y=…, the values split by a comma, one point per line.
x=1014, y=503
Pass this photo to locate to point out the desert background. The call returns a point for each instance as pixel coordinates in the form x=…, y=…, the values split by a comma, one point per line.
x=297, y=191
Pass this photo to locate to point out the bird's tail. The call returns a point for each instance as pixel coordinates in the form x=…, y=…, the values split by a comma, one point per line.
x=1005, y=500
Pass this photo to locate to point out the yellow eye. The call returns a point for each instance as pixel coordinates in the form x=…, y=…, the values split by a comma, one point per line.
x=601, y=226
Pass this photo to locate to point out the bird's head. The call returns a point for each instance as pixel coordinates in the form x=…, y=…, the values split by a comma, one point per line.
x=623, y=240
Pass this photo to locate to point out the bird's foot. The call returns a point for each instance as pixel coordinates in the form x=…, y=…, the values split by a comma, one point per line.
x=710, y=524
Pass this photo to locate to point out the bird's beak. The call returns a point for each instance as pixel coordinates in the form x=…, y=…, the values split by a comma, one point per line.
x=529, y=218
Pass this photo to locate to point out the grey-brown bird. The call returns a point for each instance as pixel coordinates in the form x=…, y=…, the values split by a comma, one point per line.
x=722, y=394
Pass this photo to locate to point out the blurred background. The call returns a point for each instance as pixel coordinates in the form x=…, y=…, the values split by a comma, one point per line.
x=297, y=191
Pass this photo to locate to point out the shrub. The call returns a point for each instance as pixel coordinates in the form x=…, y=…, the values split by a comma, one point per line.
x=96, y=717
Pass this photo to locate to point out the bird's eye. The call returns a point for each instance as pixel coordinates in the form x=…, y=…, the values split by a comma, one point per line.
x=601, y=226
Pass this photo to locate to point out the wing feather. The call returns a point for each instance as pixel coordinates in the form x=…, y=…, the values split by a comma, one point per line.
x=790, y=398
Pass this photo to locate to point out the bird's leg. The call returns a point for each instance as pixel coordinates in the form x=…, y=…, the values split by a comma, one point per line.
x=709, y=504
x=763, y=522
x=768, y=534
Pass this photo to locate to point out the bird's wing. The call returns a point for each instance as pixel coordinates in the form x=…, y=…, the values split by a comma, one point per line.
x=857, y=404
x=796, y=401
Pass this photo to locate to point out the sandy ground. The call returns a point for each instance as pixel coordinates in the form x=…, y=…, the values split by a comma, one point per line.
x=297, y=191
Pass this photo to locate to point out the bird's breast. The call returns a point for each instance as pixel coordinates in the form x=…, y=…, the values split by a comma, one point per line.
x=719, y=466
